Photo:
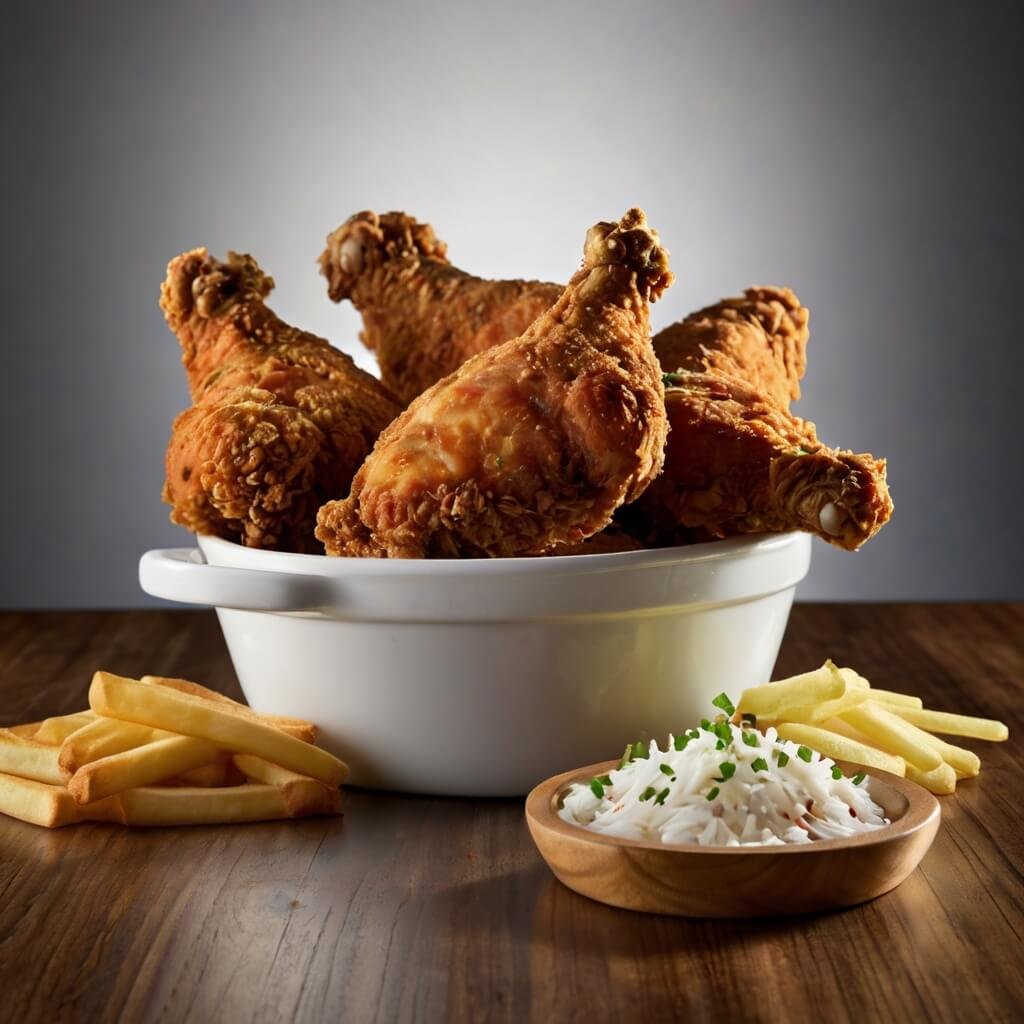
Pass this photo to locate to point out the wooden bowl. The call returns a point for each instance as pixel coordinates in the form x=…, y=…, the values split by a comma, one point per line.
x=752, y=881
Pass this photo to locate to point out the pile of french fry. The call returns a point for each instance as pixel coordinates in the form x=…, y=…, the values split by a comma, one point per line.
x=158, y=751
x=838, y=713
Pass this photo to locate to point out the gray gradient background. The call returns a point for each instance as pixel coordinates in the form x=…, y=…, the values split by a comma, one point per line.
x=868, y=155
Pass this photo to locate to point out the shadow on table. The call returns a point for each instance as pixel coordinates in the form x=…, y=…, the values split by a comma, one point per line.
x=530, y=905
x=562, y=916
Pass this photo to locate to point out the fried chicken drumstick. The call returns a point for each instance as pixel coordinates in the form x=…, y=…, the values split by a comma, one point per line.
x=421, y=316
x=737, y=463
x=280, y=420
x=533, y=443
x=424, y=317
x=760, y=338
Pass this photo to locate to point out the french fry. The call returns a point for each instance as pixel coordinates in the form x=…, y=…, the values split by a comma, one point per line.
x=297, y=727
x=881, y=696
x=36, y=802
x=853, y=678
x=815, y=714
x=299, y=791
x=895, y=700
x=954, y=725
x=29, y=759
x=166, y=708
x=940, y=780
x=881, y=726
x=964, y=762
x=159, y=753
x=256, y=769
x=822, y=684
x=57, y=730
x=220, y=773
x=26, y=731
x=197, y=806
x=53, y=807
x=100, y=738
x=50, y=806
x=139, y=766
x=840, y=748
x=847, y=730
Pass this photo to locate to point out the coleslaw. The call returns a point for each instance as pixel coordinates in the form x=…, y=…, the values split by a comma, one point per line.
x=724, y=784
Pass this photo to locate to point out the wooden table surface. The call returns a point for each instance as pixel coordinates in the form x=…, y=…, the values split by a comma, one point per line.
x=426, y=909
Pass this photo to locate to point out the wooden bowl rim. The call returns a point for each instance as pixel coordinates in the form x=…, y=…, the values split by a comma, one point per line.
x=922, y=808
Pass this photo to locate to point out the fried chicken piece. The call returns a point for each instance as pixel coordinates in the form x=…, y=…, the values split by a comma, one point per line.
x=424, y=317
x=533, y=443
x=421, y=316
x=737, y=463
x=760, y=338
x=280, y=420
x=610, y=541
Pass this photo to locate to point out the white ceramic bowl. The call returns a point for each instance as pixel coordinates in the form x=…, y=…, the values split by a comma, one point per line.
x=482, y=677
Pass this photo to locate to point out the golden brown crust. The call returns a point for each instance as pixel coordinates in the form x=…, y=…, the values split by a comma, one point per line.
x=422, y=317
x=760, y=338
x=245, y=468
x=737, y=463
x=530, y=444
x=610, y=541
x=369, y=240
x=281, y=419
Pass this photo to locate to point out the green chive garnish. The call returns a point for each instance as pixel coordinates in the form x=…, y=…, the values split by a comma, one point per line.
x=670, y=379
x=640, y=750
x=627, y=756
x=705, y=725
x=660, y=798
x=681, y=741
x=759, y=764
x=783, y=759
x=727, y=770
x=804, y=753
x=859, y=778
x=750, y=738
x=720, y=745
x=837, y=772
x=712, y=793
x=722, y=701
x=723, y=731
x=666, y=769
x=648, y=793
x=596, y=788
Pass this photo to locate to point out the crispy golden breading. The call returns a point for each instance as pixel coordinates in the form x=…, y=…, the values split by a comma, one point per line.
x=737, y=463
x=533, y=443
x=424, y=317
x=760, y=338
x=612, y=540
x=421, y=316
x=280, y=420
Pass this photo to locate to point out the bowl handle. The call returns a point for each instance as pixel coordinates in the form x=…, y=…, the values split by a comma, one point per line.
x=177, y=574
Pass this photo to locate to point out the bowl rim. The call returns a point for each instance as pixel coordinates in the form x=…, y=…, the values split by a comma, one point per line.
x=725, y=550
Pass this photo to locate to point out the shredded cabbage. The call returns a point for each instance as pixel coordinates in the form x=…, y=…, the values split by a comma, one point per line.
x=690, y=795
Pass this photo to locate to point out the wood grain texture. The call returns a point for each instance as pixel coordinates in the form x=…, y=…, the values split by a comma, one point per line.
x=422, y=909
x=722, y=882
